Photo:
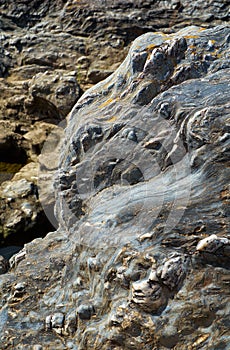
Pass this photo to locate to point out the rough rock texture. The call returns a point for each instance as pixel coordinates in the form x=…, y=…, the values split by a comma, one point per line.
x=141, y=256
x=22, y=214
x=52, y=50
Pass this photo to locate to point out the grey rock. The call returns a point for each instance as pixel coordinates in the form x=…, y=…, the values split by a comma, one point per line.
x=48, y=322
x=85, y=311
x=178, y=98
x=173, y=271
x=16, y=258
x=19, y=287
x=71, y=323
x=212, y=243
x=18, y=290
x=57, y=320
x=37, y=347
x=4, y=265
x=52, y=50
x=148, y=295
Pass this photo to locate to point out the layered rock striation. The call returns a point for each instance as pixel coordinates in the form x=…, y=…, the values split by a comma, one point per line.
x=140, y=259
x=50, y=52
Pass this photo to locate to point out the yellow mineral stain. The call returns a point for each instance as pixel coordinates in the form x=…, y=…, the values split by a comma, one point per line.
x=225, y=194
x=216, y=54
x=150, y=47
x=200, y=340
x=191, y=36
x=112, y=119
x=106, y=103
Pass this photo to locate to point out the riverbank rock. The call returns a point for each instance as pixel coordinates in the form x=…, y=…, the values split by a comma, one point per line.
x=141, y=184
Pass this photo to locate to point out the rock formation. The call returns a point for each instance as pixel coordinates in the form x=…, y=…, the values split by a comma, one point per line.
x=50, y=52
x=140, y=259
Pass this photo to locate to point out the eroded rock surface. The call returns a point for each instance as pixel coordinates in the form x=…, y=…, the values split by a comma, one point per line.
x=142, y=183
x=51, y=51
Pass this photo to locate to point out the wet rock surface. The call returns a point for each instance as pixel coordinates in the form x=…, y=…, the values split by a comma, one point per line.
x=141, y=256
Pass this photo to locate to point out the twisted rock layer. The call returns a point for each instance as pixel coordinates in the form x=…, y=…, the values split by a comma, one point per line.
x=50, y=51
x=142, y=182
